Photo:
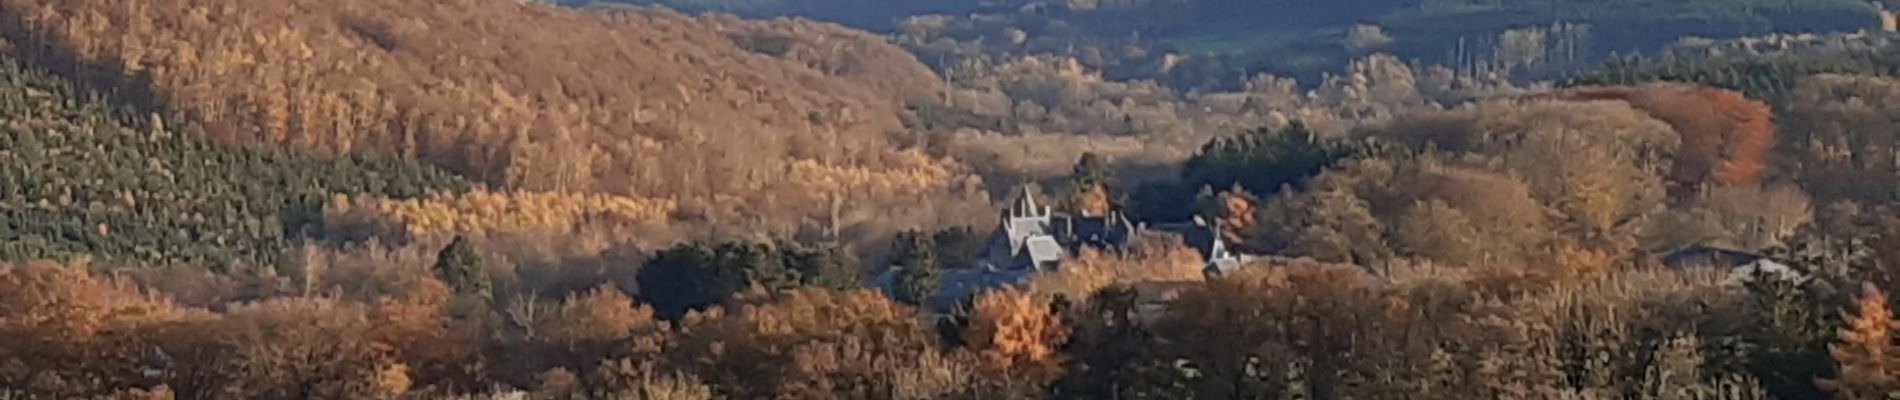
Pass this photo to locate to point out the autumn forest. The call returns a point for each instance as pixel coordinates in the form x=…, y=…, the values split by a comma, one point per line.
x=1082, y=199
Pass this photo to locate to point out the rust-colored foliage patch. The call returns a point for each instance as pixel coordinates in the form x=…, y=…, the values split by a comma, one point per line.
x=1725, y=135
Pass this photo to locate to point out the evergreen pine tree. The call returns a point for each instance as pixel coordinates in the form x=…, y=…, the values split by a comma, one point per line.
x=914, y=257
x=1790, y=344
x=754, y=264
x=1092, y=185
x=957, y=247
x=462, y=268
x=1262, y=161
x=827, y=267
x=677, y=279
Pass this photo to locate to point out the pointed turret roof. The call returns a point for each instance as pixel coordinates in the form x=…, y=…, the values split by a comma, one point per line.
x=1026, y=202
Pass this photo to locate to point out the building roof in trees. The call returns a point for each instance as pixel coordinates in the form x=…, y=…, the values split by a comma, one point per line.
x=1766, y=267
x=1708, y=255
x=1033, y=237
x=1043, y=249
x=1205, y=238
x=1743, y=265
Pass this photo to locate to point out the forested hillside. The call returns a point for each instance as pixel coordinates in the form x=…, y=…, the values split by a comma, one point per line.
x=506, y=200
x=1768, y=67
x=1217, y=43
x=710, y=112
x=82, y=178
x=1180, y=16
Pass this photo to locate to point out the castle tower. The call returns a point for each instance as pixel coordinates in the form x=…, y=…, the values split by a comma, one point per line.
x=1025, y=205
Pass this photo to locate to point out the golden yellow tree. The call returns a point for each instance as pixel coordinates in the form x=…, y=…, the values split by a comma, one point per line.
x=1865, y=353
x=413, y=335
x=838, y=188
x=1017, y=337
x=482, y=211
x=604, y=319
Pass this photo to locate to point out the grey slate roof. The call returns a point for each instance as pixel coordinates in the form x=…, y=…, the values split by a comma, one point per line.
x=1022, y=229
x=1043, y=250
x=1196, y=234
x=1703, y=255
x=1032, y=237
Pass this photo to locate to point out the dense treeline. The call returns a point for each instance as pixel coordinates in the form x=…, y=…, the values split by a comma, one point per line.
x=79, y=177
x=1623, y=25
x=1704, y=17
x=403, y=326
x=1771, y=77
x=1214, y=43
x=872, y=15
x=1257, y=161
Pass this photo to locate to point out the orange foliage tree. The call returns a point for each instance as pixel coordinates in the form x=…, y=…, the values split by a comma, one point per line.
x=1233, y=210
x=414, y=327
x=61, y=330
x=1093, y=200
x=588, y=329
x=280, y=348
x=818, y=344
x=1725, y=135
x=1016, y=337
x=1867, y=362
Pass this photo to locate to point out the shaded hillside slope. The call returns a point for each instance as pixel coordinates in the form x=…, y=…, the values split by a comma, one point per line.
x=82, y=179
x=712, y=112
x=860, y=56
